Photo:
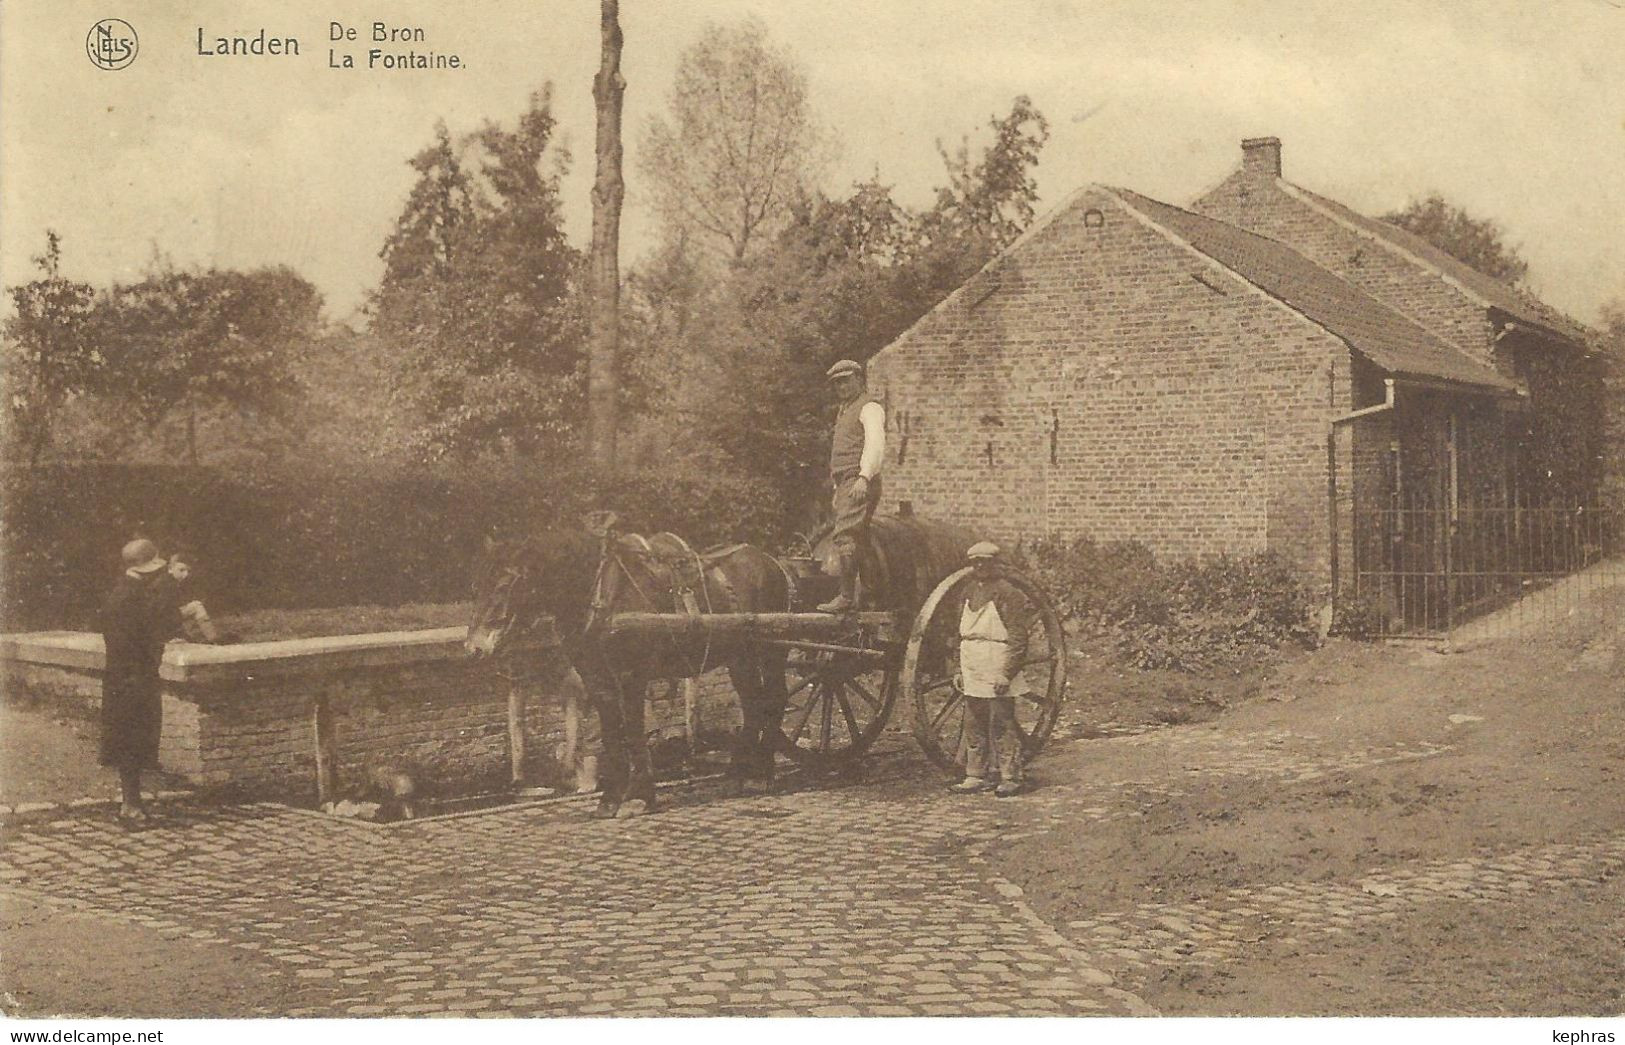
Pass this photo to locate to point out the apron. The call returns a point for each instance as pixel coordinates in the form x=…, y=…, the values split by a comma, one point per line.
x=984, y=652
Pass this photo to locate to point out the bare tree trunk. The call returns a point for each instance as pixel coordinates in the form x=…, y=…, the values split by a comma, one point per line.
x=603, y=345
x=191, y=434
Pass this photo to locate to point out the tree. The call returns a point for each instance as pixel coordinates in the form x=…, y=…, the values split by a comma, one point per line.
x=439, y=206
x=984, y=206
x=604, y=339
x=182, y=342
x=840, y=278
x=671, y=302
x=1474, y=241
x=480, y=295
x=996, y=196
x=738, y=142
x=343, y=423
x=987, y=202
x=827, y=287
x=50, y=351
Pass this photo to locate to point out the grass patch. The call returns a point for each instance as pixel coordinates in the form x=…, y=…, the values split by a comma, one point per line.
x=274, y=625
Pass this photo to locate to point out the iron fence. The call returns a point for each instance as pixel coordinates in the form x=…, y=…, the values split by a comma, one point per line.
x=1424, y=572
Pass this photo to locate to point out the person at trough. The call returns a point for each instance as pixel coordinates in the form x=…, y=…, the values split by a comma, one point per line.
x=195, y=622
x=857, y=449
x=146, y=609
x=994, y=622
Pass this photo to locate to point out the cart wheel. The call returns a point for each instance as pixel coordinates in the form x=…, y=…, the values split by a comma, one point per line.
x=932, y=659
x=837, y=708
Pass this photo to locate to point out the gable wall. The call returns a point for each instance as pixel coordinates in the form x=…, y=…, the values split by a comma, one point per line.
x=1260, y=205
x=1190, y=420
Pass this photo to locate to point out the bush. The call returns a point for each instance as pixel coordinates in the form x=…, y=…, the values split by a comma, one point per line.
x=1190, y=616
x=1362, y=617
x=1090, y=582
x=279, y=540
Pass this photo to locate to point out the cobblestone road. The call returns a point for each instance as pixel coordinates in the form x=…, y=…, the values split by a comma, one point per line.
x=865, y=900
x=870, y=899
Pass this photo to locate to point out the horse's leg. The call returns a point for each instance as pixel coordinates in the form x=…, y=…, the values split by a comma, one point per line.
x=639, y=796
x=746, y=675
x=573, y=761
x=773, y=695
x=614, y=770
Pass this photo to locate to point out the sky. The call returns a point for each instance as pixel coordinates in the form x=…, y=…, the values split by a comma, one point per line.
x=1513, y=110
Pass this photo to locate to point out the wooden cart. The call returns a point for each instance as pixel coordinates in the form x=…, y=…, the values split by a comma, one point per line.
x=846, y=673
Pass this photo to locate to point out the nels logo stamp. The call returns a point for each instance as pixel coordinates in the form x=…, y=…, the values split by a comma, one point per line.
x=112, y=43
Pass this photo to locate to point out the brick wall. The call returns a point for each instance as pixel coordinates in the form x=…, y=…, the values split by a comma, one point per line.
x=1256, y=201
x=1103, y=379
x=241, y=716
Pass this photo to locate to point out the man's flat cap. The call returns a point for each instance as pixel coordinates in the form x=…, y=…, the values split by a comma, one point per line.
x=842, y=368
x=983, y=550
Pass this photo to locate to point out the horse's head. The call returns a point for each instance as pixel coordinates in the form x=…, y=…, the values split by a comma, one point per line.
x=519, y=584
x=499, y=591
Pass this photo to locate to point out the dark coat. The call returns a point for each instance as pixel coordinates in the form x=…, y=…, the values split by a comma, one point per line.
x=139, y=617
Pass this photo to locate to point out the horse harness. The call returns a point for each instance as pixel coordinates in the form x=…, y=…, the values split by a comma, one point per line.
x=673, y=566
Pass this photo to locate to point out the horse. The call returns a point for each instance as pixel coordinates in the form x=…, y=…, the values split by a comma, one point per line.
x=581, y=579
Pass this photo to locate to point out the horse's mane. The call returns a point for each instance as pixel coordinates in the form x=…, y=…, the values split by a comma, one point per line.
x=559, y=563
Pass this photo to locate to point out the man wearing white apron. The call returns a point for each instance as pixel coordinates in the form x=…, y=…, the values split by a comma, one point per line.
x=993, y=628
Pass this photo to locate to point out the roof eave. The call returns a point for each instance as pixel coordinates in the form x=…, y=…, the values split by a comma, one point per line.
x=1453, y=384
x=1511, y=321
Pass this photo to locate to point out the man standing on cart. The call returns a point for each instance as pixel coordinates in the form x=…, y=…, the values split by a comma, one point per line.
x=857, y=449
x=994, y=622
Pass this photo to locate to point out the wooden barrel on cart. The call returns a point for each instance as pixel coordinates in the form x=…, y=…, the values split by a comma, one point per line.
x=842, y=688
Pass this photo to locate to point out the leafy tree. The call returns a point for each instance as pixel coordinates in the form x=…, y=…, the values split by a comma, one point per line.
x=996, y=196
x=439, y=206
x=179, y=343
x=843, y=278
x=671, y=300
x=50, y=352
x=342, y=421
x=1478, y=242
x=984, y=206
x=825, y=288
x=746, y=349
x=738, y=142
x=480, y=294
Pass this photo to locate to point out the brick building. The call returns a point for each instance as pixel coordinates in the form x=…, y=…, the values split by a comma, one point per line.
x=1132, y=370
x=1552, y=448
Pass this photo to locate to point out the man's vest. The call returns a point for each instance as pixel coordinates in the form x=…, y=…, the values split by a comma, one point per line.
x=846, y=445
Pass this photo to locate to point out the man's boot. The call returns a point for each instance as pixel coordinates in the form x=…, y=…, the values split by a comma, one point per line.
x=846, y=600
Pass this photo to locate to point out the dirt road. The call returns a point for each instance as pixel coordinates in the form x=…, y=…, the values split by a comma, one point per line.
x=1482, y=879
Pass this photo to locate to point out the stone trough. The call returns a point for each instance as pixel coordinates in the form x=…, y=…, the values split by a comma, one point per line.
x=268, y=719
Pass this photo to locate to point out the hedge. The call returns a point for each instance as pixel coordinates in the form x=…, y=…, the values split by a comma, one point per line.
x=288, y=540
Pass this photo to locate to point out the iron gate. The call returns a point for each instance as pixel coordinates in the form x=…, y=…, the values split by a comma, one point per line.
x=1421, y=572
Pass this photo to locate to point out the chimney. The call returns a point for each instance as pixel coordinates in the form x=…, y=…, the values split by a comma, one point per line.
x=1261, y=157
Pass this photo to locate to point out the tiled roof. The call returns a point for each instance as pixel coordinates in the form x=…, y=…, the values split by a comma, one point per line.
x=1385, y=337
x=1515, y=303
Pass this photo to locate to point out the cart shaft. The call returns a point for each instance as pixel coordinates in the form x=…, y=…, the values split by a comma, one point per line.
x=749, y=625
